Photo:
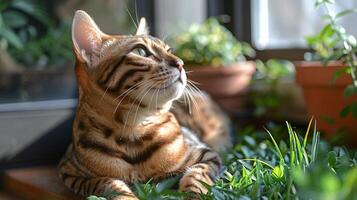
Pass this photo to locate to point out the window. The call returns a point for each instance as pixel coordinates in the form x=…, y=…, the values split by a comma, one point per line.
x=285, y=23
x=36, y=61
x=172, y=16
x=37, y=81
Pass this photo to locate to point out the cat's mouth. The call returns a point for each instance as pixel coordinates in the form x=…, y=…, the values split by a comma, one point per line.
x=168, y=85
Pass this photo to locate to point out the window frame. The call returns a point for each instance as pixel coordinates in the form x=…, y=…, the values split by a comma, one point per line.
x=240, y=25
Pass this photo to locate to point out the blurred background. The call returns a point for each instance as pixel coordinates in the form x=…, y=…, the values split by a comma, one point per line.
x=38, y=89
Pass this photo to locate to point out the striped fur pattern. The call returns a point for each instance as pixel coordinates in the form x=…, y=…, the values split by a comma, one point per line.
x=133, y=121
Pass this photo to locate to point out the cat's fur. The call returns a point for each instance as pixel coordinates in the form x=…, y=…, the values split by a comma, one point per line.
x=124, y=130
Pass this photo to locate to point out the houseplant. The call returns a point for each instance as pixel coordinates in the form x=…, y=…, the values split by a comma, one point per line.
x=35, y=53
x=215, y=59
x=274, y=93
x=329, y=82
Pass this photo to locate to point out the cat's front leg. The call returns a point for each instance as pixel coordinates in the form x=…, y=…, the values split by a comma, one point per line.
x=205, y=170
x=112, y=189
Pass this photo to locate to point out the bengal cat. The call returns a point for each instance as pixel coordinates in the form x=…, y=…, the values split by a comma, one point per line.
x=132, y=123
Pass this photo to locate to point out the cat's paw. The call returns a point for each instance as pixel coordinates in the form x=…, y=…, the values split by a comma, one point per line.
x=196, y=179
x=124, y=197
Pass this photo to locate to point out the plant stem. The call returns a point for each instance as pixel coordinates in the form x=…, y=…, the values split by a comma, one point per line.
x=350, y=53
x=352, y=58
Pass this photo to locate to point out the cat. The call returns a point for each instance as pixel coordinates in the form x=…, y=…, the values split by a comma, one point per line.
x=131, y=123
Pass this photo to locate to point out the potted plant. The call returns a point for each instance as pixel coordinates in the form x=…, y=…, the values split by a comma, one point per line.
x=215, y=59
x=274, y=95
x=329, y=80
x=35, y=54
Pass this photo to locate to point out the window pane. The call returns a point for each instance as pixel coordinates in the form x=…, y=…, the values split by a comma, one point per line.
x=172, y=16
x=285, y=23
x=36, y=58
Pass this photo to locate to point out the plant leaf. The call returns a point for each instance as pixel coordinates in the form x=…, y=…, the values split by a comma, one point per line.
x=276, y=145
x=354, y=110
x=344, y=112
x=307, y=132
x=350, y=90
x=345, y=12
x=11, y=37
x=278, y=172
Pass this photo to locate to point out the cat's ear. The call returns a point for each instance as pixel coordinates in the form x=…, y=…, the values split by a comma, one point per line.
x=142, y=27
x=86, y=37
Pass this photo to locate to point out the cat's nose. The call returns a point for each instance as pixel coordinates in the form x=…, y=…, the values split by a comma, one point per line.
x=177, y=63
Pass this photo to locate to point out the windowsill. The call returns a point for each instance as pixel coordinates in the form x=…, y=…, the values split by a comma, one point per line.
x=39, y=105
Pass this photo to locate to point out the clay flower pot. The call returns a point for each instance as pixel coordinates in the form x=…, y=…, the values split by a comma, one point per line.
x=225, y=84
x=324, y=98
x=223, y=81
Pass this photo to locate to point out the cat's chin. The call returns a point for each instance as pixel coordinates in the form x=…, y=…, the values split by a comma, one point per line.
x=156, y=98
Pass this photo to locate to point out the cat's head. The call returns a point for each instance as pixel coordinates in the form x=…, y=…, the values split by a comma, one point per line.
x=137, y=67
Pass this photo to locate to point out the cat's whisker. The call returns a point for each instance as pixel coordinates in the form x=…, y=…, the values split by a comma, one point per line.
x=132, y=106
x=195, y=105
x=198, y=91
x=126, y=93
x=131, y=88
x=188, y=102
x=131, y=17
x=194, y=82
x=142, y=98
x=136, y=12
x=101, y=99
x=157, y=94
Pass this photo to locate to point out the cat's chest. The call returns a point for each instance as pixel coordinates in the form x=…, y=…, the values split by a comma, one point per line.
x=155, y=152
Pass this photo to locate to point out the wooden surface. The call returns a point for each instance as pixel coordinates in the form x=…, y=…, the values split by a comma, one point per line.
x=38, y=183
x=7, y=196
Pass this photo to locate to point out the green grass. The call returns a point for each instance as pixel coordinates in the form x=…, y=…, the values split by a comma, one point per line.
x=261, y=167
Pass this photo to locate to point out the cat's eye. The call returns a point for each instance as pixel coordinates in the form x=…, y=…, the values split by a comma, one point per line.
x=170, y=50
x=141, y=51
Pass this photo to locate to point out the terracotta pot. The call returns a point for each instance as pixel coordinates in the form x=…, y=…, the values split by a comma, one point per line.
x=223, y=81
x=324, y=98
x=227, y=84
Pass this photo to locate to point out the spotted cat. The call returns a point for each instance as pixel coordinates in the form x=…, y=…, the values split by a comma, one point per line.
x=137, y=117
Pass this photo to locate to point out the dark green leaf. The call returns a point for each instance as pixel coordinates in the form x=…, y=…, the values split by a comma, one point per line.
x=350, y=90
x=14, y=19
x=354, y=110
x=337, y=74
x=344, y=112
x=331, y=158
x=11, y=37
x=327, y=119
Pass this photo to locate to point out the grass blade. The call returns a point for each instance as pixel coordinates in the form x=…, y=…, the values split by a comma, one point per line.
x=315, y=143
x=292, y=145
x=276, y=145
x=307, y=132
x=298, y=147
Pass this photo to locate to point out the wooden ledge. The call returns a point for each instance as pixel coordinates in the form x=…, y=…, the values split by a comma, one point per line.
x=37, y=183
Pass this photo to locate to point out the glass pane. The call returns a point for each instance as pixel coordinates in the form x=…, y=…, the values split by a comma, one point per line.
x=173, y=16
x=36, y=58
x=285, y=23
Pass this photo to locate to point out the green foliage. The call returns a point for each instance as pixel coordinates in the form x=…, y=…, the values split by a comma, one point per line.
x=334, y=43
x=263, y=167
x=14, y=21
x=31, y=36
x=268, y=75
x=52, y=49
x=210, y=44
